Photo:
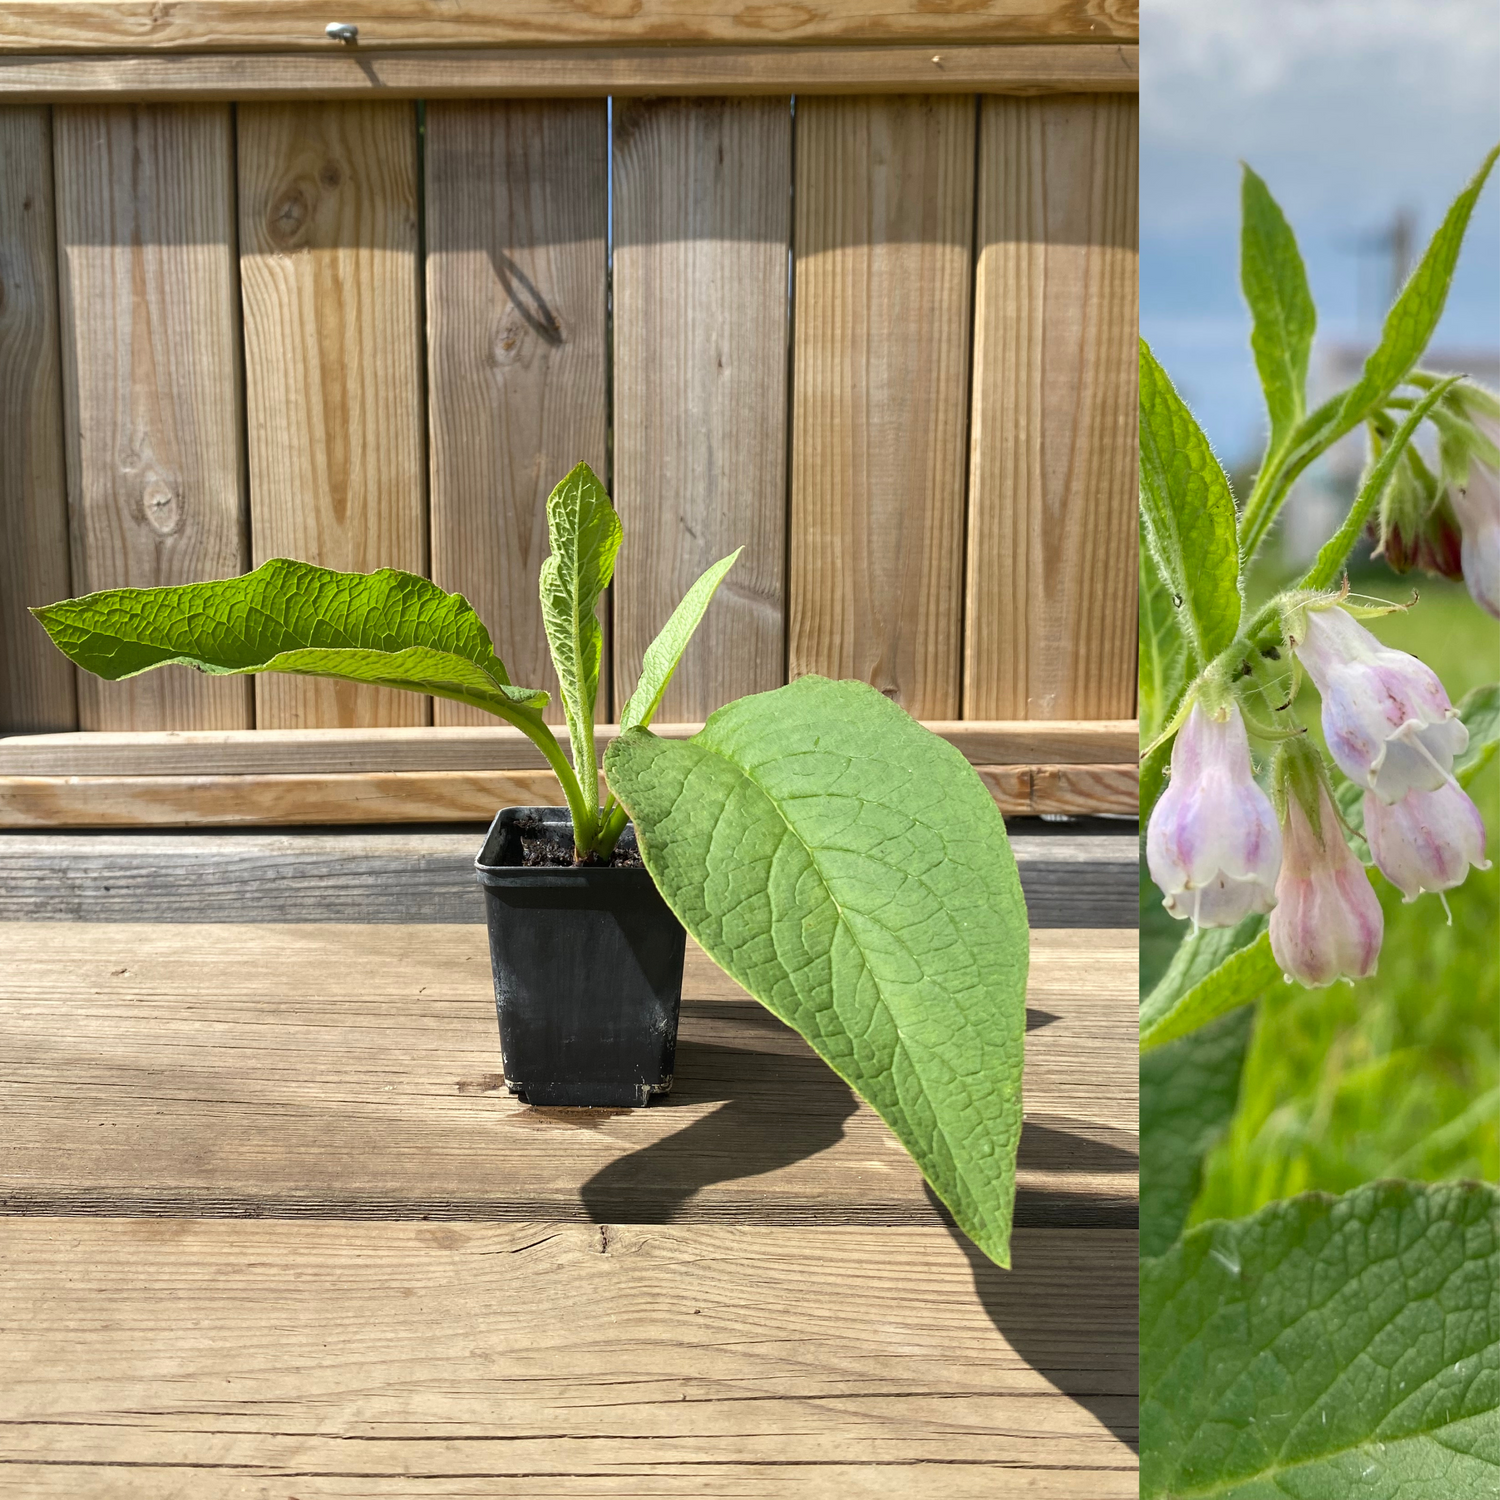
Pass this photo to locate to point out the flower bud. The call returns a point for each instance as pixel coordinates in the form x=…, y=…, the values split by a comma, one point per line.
x=1477, y=506
x=1212, y=844
x=1415, y=526
x=1427, y=840
x=1386, y=717
x=1327, y=920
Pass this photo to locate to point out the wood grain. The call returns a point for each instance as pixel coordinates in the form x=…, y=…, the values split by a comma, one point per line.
x=230, y=25
x=354, y=1072
x=151, y=379
x=496, y=748
x=118, y=801
x=541, y=72
x=702, y=230
x=36, y=681
x=384, y=1360
x=1051, y=588
x=517, y=210
x=880, y=387
x=328, y=229
x=416, y=875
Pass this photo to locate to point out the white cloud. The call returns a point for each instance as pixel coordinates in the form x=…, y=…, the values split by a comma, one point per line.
x=1400, y=93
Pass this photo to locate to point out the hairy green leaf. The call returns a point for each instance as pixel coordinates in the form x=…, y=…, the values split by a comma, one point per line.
x=387, y=628
x=584, y=532
x=663, y=654
x=1221, y=968
x=1162, y=663
x=1189, y=514
x=849, y=869
x=1189, y=1089
x=1326, y=1348
x=1414, y=317
x=1281, y=306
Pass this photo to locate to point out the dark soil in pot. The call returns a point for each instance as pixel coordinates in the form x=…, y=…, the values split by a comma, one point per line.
x=587, y=961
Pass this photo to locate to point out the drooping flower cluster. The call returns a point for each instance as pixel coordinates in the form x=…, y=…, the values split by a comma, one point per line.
x=1213, y=844
x=1476, y=503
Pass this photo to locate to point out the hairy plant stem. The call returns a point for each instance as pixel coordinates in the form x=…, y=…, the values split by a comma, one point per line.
x=585, y=818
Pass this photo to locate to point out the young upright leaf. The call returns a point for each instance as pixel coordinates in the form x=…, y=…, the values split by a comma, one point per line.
x=585, y=535
x=1281, y=306
x=663, y=654
x=1244, y=975
x=849, y=869
x=1188, y=1093
x=1189, y=514
x=1162, y=652
x=1326, y=1348
x=1412, y=320
x=388, y=628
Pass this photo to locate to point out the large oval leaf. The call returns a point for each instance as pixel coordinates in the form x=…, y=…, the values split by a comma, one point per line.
x=1327, y=1347
x=849, y=869
x=388, y=628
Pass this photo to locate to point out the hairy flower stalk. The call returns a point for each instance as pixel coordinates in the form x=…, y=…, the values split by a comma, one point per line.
x=1386, y=717
x=1427, y=840
x=1476, y=503
x=1327, y=922
x=1212, y=844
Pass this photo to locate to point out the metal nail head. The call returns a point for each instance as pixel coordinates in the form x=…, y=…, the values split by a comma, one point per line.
x=342, y=31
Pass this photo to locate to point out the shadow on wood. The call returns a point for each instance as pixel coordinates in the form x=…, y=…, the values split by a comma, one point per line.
x=1082, y=1283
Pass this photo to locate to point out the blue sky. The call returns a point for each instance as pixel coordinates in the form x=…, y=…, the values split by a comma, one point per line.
x=1351, y=110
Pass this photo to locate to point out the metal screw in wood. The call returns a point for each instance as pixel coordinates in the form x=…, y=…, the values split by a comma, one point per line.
x=342, y=31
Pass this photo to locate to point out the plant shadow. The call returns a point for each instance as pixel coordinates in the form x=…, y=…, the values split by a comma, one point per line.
x=1071, y=1317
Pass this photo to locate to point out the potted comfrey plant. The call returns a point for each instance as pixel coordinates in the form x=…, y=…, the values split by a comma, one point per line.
x=842, y=863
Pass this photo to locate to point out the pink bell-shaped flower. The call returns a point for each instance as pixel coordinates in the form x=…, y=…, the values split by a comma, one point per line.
x=1427, y=840
x=1386, y=717
x=1212, y=844
x=1477, y=506
x=1327, y=920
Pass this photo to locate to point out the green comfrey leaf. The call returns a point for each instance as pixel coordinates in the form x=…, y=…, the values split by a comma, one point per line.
x=1215, y=970
x=1325, y=1348
x=1162, y=663
x=662, y=655
x=585, y=536
x=1188, y=511
x=849, y=869
x=388, y=629
x=1189, y=1090
x=1281, y=306
x=1414, y=317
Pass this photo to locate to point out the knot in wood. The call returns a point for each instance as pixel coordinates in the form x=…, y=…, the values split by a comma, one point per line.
x=290, y=216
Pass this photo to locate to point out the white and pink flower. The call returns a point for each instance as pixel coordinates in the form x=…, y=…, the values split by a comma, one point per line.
x=1212, y=844
x=1427, y=840
x=1386, y=717
x=1477, y=506
x=1327, y=922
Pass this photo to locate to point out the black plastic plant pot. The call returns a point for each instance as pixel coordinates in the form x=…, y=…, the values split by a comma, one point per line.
x=588, y=968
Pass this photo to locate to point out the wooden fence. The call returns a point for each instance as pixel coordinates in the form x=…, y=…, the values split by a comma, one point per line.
x=318, y=306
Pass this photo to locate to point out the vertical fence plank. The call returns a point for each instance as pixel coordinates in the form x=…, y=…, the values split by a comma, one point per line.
x=1051, y=617
x=328, y=230
x=880, y=392
x=36, y=681
x=702, y=230
x=517, y=218
x=151, y=388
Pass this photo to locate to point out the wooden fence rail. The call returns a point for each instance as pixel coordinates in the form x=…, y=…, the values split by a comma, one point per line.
x=884, y=341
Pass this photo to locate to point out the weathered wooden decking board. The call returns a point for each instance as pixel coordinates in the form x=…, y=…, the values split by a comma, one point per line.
x=741, y=1290
x=1070, y=878
x=403, y=328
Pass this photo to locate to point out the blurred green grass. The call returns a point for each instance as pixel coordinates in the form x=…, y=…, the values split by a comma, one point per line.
x=1398, y=1075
